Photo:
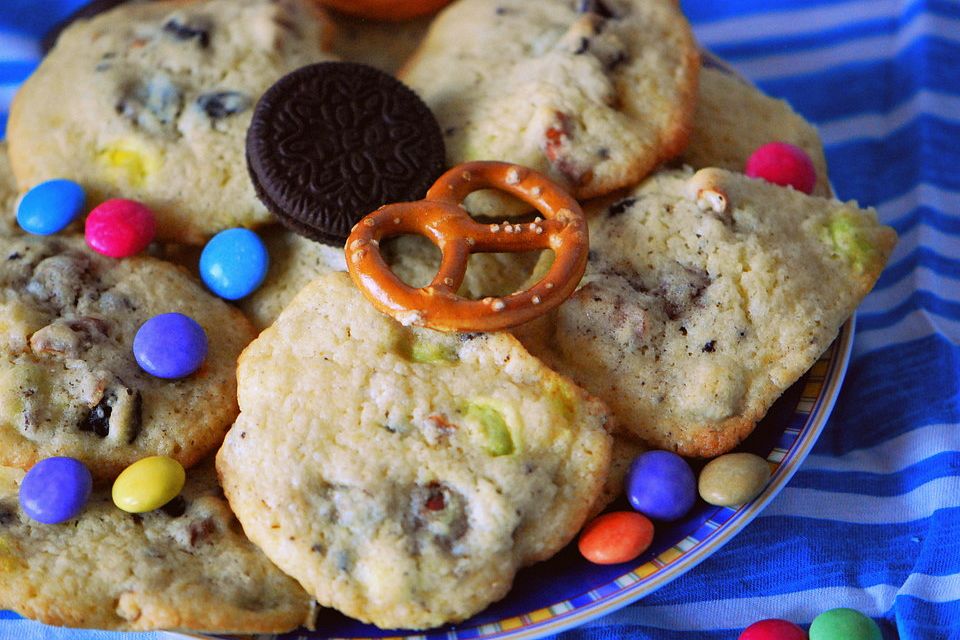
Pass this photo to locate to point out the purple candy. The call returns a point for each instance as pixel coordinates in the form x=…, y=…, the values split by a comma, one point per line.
x=55, y=490
x=170, y=345
x=661, y=485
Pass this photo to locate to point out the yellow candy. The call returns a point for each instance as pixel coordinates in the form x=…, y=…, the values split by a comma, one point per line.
x=128, y=161
x=148, y=484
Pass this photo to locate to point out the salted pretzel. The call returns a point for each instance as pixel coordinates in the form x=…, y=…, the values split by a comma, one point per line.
x=441, y=218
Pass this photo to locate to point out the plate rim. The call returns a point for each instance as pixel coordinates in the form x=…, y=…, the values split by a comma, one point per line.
x=809, y=433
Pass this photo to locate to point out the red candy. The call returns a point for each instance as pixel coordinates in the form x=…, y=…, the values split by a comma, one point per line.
x=773, y=629
x=616, y=537
x=784, y=164
x=120, y=228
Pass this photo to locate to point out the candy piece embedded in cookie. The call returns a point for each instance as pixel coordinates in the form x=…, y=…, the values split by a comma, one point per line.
x=185, y=566
x=401, y=475
x=331, y=142
x=151, y=101
x=723, y=137
x=594, y=94
x=706, y=297
x=69, y=382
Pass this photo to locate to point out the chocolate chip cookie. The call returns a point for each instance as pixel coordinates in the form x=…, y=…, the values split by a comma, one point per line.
x=593, y=93
x=402, y=475
x=69, y=383
x=151, y=101
x=184, y=566
x=707, y=295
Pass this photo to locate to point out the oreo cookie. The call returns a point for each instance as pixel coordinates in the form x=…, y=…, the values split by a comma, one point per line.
x=333, y=141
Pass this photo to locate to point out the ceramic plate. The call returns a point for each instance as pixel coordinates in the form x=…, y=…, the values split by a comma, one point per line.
x=567, y=591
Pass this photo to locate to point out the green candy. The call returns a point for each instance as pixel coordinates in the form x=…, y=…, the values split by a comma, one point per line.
x=848, y=236
x=844, y=624
x=493, y=428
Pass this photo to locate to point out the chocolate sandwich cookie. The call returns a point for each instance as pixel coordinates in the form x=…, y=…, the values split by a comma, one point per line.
x=333, y=141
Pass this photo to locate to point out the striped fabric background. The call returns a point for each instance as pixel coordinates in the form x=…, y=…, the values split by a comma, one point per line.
x=872, y=520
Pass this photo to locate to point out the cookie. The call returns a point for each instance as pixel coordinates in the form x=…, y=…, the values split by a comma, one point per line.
x=151, y=101
x=723, y=137
x=184, y=566
x=9, y=196
x=402, y=475
x=69, y=383
x=296, y=260
x=331, y=142
x=706, y=297
x=593, y=94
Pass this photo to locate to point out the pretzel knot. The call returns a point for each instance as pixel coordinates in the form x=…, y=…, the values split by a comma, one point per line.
x=442, y=219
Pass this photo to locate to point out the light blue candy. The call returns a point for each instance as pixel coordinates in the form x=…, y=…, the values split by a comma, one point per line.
x=50, y=206
x=234, y=263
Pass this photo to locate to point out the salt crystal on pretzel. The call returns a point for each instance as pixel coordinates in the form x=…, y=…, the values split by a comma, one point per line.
x=441, y=218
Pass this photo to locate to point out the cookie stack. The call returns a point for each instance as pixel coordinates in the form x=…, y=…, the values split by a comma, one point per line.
x=399, y=474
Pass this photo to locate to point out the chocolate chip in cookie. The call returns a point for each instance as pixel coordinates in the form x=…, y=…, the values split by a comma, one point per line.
x=331, y=142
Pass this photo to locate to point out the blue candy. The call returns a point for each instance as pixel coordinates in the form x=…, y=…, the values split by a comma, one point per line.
x=661, y=485
x=50, y=206
x=55, y=490
x=234, y=263
x=170, y=345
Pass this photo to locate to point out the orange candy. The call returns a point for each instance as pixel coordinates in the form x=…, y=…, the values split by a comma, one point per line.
x=389, y=10
x=616, y=537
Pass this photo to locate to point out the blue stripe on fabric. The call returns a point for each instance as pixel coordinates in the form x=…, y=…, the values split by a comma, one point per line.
x=8, y=615
x=919, y=257
x=945, y=223
x=878, y=85
x=874, y=169
x=920, y=299
x=23, y=17
x=709, y=12
x=763, y=47
x=941, y=465
x=14, y=72
x=918, y=619
x=637, y=632
x=872, y=410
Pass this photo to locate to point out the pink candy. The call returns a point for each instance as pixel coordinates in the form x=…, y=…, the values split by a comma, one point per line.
x=120, y=228
x=784, y=164
x=773, y=629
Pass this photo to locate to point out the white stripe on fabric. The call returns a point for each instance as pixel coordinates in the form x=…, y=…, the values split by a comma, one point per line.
x=869, y=49
x=793, y=23
x=895, y=454
x=881, y=125
x=799, y=606
x=916, y=504
x=16, y=48
x=914, y=326
x=943, y=200
x=921, y=279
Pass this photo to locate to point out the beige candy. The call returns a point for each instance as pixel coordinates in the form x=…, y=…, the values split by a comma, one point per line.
x=732, y=479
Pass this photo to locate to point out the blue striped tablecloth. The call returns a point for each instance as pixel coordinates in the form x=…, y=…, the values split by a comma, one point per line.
x=872, y=519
